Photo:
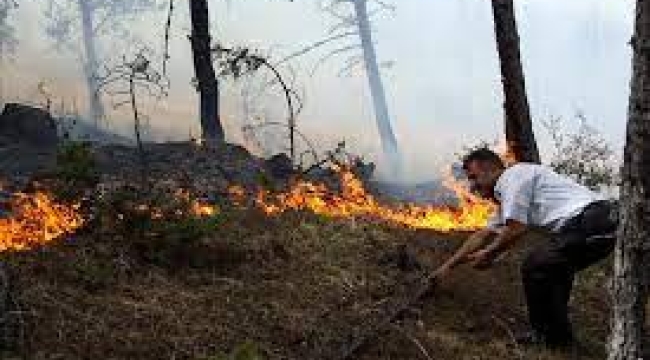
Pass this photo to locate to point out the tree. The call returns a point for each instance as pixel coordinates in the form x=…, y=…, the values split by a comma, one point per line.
x=356, y=24
x=207, y=83
x=630, y=280
x=8, y=39
x=583, y=154
x=388, y=140
x=92, y=19
x=518, y=124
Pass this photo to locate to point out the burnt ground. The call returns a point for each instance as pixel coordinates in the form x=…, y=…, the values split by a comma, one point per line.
x=298, y=286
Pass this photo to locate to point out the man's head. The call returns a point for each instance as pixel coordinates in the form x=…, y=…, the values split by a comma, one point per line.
x=483, y=168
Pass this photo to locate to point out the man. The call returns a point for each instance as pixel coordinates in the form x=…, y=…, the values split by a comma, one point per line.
x=580, y=224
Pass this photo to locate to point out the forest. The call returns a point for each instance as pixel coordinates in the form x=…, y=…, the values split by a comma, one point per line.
x=326, y=179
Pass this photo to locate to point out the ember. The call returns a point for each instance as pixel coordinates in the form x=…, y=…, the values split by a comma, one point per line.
x=34, y=219
x=354, y=201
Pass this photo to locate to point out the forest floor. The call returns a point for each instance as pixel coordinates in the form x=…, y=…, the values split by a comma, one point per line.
x=295, y=286
x=244, y=285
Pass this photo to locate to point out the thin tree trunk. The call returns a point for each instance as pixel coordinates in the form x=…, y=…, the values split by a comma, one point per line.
x=204, y=70
x=631, y=255
x=519, y=126
x=388, y=140
x=91, y=64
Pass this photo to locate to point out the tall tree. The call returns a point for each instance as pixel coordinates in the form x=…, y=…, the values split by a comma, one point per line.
x=91, y=63
x=520, y=137
x=206, y=78
x=630, y=283
x=387, y=136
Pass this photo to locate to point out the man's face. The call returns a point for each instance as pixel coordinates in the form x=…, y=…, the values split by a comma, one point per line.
x=482, y=177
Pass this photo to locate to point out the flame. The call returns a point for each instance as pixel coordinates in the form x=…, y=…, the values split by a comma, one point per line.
x=354, y=201
x=197, y=208
x=36, y=219
x=203, y=210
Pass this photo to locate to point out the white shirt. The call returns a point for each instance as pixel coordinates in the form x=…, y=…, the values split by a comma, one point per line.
x=536, y=195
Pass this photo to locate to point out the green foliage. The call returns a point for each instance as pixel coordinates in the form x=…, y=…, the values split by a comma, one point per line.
x=76, y=163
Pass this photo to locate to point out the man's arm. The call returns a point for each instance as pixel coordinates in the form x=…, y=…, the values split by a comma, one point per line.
x=474, y=243
x=511, y=232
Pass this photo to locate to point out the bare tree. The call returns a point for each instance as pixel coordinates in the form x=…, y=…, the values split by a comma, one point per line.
x=8, y=40
x=124, y=82
x=518, y=123
x=92, y=20
x=206, y=79
x=235, y=62
x=630, y=282
x=583, y=154
x=353, y=32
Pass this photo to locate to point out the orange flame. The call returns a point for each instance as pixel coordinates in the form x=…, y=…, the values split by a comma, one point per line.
x=354, y=201
x=197, y=208
x=36, y=219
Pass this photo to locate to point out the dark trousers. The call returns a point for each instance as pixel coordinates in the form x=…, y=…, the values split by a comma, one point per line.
x=548, y=270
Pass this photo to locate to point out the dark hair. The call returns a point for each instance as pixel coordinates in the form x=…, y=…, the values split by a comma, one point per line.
x=484, y=155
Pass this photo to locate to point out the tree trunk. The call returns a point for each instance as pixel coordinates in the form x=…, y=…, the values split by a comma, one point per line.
x=388, y=140
x=631, y=255
x=91, y=64
x=519, y=126
x=208, y=85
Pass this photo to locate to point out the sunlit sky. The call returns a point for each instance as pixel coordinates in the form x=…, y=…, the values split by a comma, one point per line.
x=443, y=87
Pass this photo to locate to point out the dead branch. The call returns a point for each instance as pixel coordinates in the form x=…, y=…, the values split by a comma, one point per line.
x=325, y=58
x=315, y=46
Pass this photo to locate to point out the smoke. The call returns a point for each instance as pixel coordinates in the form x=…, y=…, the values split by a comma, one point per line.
x=443, y=90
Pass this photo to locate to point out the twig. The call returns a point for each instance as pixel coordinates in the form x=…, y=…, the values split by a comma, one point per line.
x=414, y=340
x=315, y=46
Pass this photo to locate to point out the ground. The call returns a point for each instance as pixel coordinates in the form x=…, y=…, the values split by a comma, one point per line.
x=293, y=286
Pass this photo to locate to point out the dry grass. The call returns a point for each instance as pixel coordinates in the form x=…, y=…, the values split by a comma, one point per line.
x=295, y=286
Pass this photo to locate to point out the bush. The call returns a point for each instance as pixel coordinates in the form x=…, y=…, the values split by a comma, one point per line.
x=161, y=226
x=583, y=155
x=76, y=163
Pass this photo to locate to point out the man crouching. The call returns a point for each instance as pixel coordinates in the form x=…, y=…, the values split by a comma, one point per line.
x=581, y=225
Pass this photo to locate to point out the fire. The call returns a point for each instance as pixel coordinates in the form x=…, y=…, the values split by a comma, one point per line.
x=36, y=219
x=203, y=210
x=197, y=208
x=354, y=201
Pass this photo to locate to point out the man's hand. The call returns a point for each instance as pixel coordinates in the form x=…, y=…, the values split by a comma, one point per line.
x=484, y=258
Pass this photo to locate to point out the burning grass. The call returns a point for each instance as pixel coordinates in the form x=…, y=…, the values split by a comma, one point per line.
x=36, y=219
x=354, y=200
